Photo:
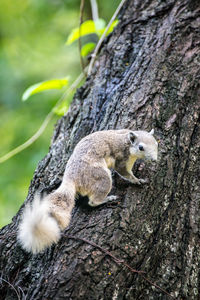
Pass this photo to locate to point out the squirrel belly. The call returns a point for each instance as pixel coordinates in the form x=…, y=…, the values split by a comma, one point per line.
x=43, y=220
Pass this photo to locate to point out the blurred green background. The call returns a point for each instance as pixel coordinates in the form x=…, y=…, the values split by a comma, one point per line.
x=32, y=49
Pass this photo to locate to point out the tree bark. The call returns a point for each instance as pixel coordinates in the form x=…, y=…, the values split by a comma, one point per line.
x=147, y=75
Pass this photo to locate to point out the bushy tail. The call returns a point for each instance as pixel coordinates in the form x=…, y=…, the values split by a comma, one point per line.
x=43, y=221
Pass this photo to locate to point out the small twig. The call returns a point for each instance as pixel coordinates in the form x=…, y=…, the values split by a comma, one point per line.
x=79, y=39
x=119, y=261
x=23, y=294
x=157, y=286
x=12, y=286
x=103, y=36
x=45, y=122
x=97, y=246
x=94, y=8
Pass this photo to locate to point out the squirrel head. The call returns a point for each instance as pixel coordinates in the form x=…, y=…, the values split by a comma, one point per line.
x=143, y=145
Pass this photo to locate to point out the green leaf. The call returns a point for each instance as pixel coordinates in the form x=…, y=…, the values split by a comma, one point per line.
x=87, y=27
x=43, y=86
x=87, y=48
x=112, y=26
x=61, y=109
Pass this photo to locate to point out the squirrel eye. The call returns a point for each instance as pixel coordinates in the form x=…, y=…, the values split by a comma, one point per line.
x=141, y=148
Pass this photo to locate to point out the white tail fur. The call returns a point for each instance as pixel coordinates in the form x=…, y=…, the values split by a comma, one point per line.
x=38, y=229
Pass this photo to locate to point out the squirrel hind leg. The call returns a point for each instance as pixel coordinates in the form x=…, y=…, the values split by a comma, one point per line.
x=100, y=195
x=99, y=186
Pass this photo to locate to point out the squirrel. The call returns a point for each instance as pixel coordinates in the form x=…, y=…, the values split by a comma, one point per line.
x=87, y=173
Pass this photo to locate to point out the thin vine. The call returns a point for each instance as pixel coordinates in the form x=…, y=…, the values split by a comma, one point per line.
x=44, y=124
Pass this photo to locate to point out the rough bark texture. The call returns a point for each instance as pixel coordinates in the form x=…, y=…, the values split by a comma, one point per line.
x=146, y=76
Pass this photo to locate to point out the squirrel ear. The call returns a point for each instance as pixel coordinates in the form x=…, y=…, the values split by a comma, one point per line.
x=151, y=132
x=132, y=136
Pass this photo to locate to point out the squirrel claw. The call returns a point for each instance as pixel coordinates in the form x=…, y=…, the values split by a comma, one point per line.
x=143, y=181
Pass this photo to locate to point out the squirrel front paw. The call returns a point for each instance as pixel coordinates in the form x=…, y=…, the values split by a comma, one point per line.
x=140, y=181
x=143, y=181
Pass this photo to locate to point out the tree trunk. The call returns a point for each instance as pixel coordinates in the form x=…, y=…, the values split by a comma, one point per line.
x=146, y=76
